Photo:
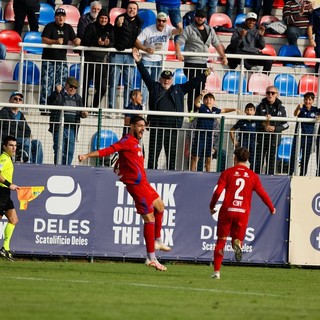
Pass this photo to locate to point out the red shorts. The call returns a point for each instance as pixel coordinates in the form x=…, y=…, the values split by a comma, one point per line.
x=233, y=224
x=143, y=195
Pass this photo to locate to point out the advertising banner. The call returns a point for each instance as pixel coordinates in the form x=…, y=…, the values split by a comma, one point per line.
x=304, y=246
x=85, y=211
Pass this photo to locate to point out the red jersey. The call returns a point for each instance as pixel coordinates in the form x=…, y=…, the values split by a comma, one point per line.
x=130, y=166
x=239, y=182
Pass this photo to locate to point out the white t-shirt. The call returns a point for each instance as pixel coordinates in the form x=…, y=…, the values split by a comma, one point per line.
x=150, y=37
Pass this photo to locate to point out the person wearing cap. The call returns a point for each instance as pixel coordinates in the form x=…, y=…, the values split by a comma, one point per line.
x=152, y=39
x=54, y=70
x=127, y=27
x=172, y=9
x=165, y=96
x=130, y=169
x=65, y=96
x=197, y=37
x=98, y=34
x=87, y=18
x=14, y=123
x=248, y=40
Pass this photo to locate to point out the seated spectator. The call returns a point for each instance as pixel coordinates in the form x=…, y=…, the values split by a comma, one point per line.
x=3, y=51
x=16, y=125
x=90, y=17
x=314, y=27
x=296, y=16
x=248, y=40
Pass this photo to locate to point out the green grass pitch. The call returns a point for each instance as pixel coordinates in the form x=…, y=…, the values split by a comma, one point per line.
x=123, y=290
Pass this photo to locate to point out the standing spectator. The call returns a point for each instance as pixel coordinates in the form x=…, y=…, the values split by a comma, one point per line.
x=66, y=96
x=23, y=9
x=212, y=7
x=87, y=18
x=172, y=9
x=9, y=145
x=296, y=16
x=248, y=40
x=14, y=123
x=246, y=135
x=3, y=51
x=164, y=96
x=98, y=34
x=54, y=70
x=152, y=39
x=126, y=30
x=130, y=169
x=306, y=111
x=266, y=7
x=314, y=27
x=269, y=131
x=202, y=144
x=238, y=182
x=230, y=6
x=197, y=37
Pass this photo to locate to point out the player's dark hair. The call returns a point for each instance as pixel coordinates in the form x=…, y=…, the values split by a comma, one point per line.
x=135, y=119
x=309, y=95
x=130, y=2
x=134, y=93
x=7, y=139
x=242, y=154
x=249, y=106
x=209, y=95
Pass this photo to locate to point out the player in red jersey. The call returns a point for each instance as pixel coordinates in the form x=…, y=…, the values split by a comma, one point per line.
x=130, y=169
x=239, y=182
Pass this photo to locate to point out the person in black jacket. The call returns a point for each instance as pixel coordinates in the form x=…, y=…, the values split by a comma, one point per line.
x=269, y=132
x=66, y=96
x=126, y=30
x=165, y=96
x=98, y=34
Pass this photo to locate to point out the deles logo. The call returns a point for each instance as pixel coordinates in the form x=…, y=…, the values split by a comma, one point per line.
x=68, y=195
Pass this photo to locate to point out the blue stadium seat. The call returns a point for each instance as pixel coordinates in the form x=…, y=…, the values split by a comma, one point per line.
x=74, y=71
x=32, y=37
x=46, y=13
x=240, y=18
x=30, y=73
x=86, y=10
x=148, y=17
x=179, y=77
x=136, y=79
x=286, y=85
x=284, y=149
x=231, y=82
x=288, y=50
x=107, y=138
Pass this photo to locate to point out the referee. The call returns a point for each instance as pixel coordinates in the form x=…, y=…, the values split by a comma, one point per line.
x=6, y=204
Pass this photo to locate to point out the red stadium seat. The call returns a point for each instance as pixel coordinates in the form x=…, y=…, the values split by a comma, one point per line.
x=72, y=14
x=271, y=51
x=9, y=13
x=278, y=4
x=309, y=53
x=171, y=47
x=258, y=82
x=308, y=83
x=6, y=71
x=269, y=19
x=114, y=12
x=214, y=84
x=10, y=39
x=220, y=20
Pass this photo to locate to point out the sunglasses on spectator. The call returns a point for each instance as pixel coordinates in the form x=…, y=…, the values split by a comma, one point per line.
x=163, y=21
x=72, y=87
x=17, y=99
x=271, y=92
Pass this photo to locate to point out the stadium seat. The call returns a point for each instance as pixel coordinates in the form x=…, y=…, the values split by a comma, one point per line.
x=107, y=138
x=148, y=16
x=10, y=39
x=308, y=83
x=269, y=50
x=171, y=47
x=220, y=20
x=240, y=18
x=179, y=77
x=258, y=82
x=269, y=19
x=288, y=50
x=8, y=12
x=231, y=82
x=284, y=153
x=114, y=12
x=286, y=84
x=6, y=71
x=309, y=53
x=213, y=83
x=278, y=4
x=72, y=14
x=86, y=10
x=32, y=37
x=212, y=49
x=46, y=13
x=74, y=71
x=30, y=73
x=136, y=79
x=1, y=14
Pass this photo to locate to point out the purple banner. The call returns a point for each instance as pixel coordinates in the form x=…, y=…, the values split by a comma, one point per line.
x=86, y=211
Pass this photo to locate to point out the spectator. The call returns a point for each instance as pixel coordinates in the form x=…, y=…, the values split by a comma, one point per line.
x=230, y=6
x=203, y=136
x=3, y=51
x=87, y=18
x=269, y=131
x=152, y=39
x=306, y=111
x=98, y=34
x=248, y=40
x=246, y=136
x=66, y=96
x=164, y=96
x=212, y=7
x=23, y=9
x=296, y=16
x=54, y=70
x=318, y=149
x=172, y=9
x=314, y=27
x=14, y=123
x=197, y=37
x=266, y=7
x=127, y=27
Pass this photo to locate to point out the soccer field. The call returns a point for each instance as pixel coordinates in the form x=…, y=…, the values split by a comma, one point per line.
x=117, y=290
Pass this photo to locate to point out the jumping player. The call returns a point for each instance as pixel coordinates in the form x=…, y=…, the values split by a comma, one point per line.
x=130, y=169
x=239, y=183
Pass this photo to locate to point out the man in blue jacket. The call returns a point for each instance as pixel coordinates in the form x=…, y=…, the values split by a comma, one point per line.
x=165, y=96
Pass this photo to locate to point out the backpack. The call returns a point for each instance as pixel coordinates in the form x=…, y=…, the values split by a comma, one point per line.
x=276, y=27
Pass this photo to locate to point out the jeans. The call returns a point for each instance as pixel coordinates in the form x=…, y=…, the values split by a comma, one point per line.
x=173, y=13
x=293, y=33
x=67, y=143
x=33, y=148
x=3, y=51
x=154, y=68
x=120, y=62
x=52, y=74
x=230, y=6
x=212, y=7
